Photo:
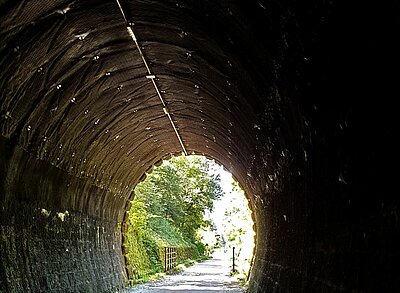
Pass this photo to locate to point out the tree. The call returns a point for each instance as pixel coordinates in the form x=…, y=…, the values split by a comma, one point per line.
x=180, y=191
x=167, y=210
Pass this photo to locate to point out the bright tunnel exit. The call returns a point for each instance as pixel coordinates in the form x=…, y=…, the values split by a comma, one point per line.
x=232, y=236
x=188, y=210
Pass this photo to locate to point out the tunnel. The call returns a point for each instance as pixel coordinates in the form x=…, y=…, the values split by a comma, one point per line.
x=297, y=99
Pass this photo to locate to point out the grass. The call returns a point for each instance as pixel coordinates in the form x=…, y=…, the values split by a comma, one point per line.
x=145, y=278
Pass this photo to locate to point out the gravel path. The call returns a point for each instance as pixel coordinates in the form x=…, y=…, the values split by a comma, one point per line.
x=208, y=277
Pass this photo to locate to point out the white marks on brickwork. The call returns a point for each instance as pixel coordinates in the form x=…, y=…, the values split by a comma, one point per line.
x=7, y=115
x=45, y=213
x=62, y=216
x=82, y=36
x=182, y=34
x=341, y=178
x=64, y=10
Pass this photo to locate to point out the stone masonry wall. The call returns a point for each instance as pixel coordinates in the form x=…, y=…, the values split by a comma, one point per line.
x=45, y=251
x=46, y=243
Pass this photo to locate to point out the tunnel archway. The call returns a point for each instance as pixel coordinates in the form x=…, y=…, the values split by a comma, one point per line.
x=295, y=100
x=192, y=205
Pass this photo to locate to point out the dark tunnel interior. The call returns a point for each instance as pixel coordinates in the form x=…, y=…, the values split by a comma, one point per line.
x=297, y=99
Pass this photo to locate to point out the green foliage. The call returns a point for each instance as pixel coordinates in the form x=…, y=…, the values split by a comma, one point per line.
x=168, y=209
x=238, y=229
x=180, y=192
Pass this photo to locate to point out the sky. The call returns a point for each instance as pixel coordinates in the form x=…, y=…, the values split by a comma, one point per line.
x=231, y=199
x=219, y=205
x=241, y=219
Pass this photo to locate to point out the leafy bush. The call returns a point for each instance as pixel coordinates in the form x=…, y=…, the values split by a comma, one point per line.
x=167, y=212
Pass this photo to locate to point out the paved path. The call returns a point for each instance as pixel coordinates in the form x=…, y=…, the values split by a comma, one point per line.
x=210, y=276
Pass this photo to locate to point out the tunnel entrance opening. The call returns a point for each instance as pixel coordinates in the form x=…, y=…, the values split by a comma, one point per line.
x=187, y=209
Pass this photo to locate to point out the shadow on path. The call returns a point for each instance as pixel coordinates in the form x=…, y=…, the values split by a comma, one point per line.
x=207, y=277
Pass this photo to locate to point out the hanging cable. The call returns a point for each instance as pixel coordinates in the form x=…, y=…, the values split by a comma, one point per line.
x=152, y=78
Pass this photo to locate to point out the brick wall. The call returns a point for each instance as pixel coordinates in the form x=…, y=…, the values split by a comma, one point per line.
x=51, y=238
x=55, y=253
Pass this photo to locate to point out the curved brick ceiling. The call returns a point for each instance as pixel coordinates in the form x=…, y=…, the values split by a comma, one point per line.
x=76, y=92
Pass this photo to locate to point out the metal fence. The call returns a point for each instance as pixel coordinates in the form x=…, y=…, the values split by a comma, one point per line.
x=169, y=258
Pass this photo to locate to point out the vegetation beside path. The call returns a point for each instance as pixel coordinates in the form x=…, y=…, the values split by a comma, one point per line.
x=167, y=211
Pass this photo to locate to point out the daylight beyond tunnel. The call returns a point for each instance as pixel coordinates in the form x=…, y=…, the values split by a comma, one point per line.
x=296, y=100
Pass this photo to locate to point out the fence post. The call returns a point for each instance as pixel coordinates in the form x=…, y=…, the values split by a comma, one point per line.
x=233, y=259
x=165, y=259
